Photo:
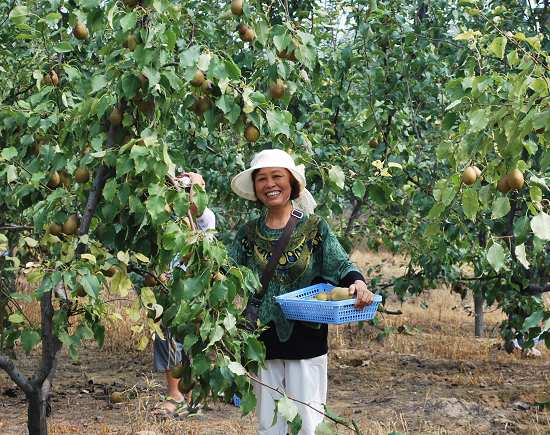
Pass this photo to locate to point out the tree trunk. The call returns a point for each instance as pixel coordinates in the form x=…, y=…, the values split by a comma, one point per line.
x=478, y=309
x=37, y=411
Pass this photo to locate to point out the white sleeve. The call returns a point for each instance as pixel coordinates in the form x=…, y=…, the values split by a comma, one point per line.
x=207, y=221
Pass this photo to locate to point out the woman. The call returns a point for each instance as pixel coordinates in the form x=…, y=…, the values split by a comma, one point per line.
x=296, y=352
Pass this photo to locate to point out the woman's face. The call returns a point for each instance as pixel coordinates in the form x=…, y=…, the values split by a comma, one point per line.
x=272, y=186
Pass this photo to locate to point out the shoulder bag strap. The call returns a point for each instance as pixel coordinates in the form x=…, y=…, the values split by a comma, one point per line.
x=278, y=248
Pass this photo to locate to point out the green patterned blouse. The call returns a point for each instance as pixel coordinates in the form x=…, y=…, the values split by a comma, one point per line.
x=313, y=251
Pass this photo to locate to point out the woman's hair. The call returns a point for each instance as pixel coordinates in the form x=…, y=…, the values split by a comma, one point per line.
x=294, y=185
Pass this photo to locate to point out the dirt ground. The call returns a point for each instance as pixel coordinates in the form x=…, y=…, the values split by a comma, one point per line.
x=425, y=375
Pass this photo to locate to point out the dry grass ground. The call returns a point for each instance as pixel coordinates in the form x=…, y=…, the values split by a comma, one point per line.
x=432, y=377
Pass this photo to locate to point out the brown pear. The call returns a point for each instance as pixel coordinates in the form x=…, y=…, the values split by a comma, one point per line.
x=82, y=175
x=131, y=42
x=201, y=105
x=115, y=118
x=71, y=225
x=502, y=185
x=150, y=280
x=65, y=180
x=80, y=31
x=109, y=272
x=246, y=33
x=55, y=180
x=251, y=133
x=142, y=81
x=277, y=89
x=515, y=180
x=237, y=7
x=198, y=78
x=469, y=176
x=55, y=229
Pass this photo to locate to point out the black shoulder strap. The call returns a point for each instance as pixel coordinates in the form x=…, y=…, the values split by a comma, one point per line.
x=278, y=248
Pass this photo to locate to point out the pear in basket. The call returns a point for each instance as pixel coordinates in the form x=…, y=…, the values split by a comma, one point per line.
x=340, y=294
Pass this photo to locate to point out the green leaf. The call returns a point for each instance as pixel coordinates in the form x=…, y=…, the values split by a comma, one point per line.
x=521, y=229
x=29, y=339
x=190, y=56
x=540, y=225
x=295, y=425
x=129, y=21
x=513, y=58
x=498, y=46
x=215, y=335
x=120, y=283
x=325, y=428
x=358, y=188
x=130, y=85
x=286, y=408
x=248, y=402
x=501, y=207
x=3, y=243
x=233, y=71
x=16, y=318
x=230, y=322
x=147, y=297
x=152, y=75
x=19, y=14
x=279, y=122
x=237, y=368
x=99, y=81
x=9, y=153
x=479, y=120
x=535, y=193
x=189, y=341
x=540, y=86
x=155, y=206
x=470, y=203
x=496, y=257
x=533, y=320
x=255, y=349
x=52, y=18
x=201, y=364
x=521, y=255
x=91, y=285
x=204, y=61
x=11, y=173
x=337, y=176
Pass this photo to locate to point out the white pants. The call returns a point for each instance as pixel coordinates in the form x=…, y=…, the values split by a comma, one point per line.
x=303, y=379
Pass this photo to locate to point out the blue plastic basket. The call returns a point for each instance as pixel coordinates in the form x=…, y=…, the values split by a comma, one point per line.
x=299, y=305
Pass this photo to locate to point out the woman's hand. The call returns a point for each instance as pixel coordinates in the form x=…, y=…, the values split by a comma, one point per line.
x=362, y=293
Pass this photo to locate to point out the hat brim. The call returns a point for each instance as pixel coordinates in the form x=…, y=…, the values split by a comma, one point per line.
x=243, y=186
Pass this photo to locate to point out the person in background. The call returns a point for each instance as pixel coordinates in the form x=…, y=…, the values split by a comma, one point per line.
x=168, y=353
x=296, y=352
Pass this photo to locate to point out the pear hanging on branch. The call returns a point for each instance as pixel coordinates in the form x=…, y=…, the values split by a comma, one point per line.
x=237, y=7
x=80, y=31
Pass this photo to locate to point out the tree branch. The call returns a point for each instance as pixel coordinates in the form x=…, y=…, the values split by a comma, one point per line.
x=13, y=227
x=535, y=289
x=50, y=343
x=16, y=376
x=101, y=175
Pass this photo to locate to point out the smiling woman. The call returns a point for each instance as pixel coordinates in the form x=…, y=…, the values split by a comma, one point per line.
x=296, y=352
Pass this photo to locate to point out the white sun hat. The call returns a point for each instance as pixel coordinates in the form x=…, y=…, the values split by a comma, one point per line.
x=243, y=186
